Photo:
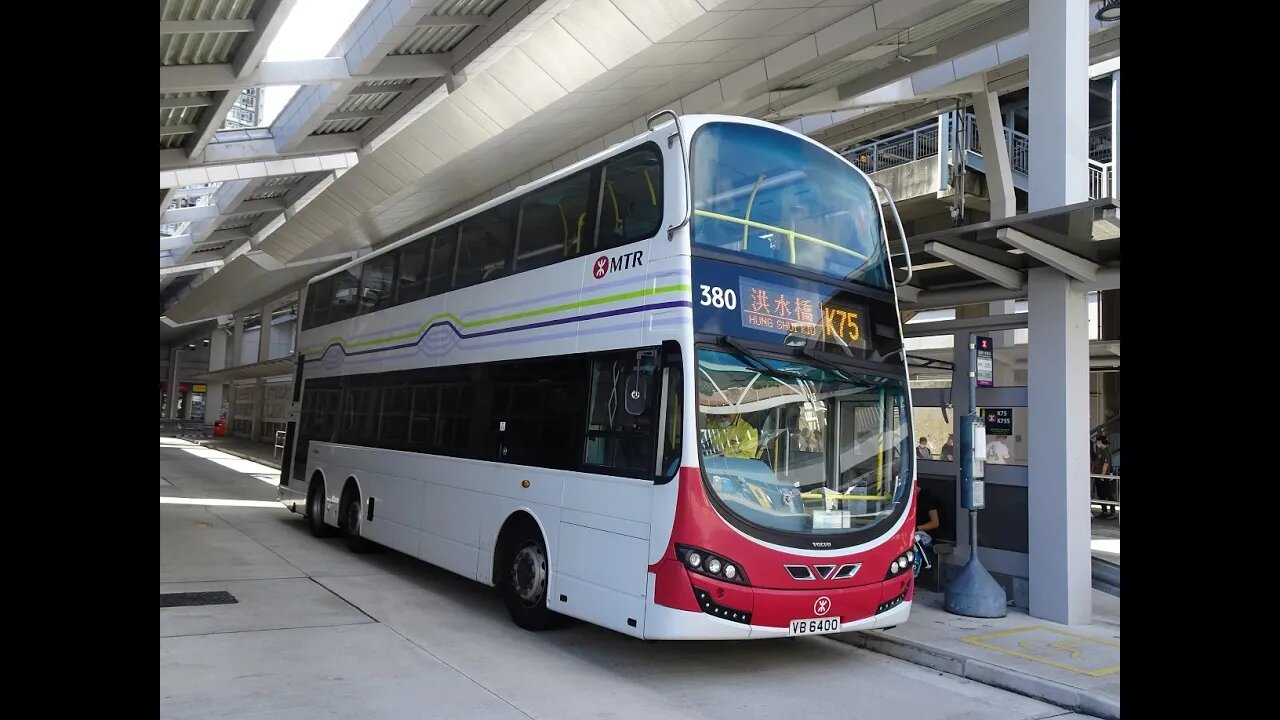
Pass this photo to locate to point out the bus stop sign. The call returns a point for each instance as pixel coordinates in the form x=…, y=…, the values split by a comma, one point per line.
x=983, y=372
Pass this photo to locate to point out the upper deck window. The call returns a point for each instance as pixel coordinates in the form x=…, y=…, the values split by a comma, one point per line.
x=779, y=198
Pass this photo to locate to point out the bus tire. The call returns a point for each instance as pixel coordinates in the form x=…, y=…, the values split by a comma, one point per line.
x=315, y=509
x=525, y=575
x=350, y=521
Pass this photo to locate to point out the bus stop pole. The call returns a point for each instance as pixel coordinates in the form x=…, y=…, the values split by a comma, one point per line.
x=973, y=592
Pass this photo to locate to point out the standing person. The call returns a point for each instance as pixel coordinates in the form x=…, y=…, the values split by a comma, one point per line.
x=1104, y=488
x=997, y=451
x=949, y=448
x=922, y=450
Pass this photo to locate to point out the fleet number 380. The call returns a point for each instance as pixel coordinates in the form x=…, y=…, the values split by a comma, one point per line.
x=719, y=297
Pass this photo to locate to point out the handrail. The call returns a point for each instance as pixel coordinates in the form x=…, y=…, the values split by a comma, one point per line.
x=684, y=167
x=902, y=234
x=792, y=235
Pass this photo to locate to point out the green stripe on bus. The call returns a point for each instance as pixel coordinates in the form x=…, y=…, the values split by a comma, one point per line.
x=500, y=318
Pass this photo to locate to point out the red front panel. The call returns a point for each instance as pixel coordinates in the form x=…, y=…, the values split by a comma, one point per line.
x=773, y=597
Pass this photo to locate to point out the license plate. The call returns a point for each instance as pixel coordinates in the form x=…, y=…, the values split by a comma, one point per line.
x=814, y=626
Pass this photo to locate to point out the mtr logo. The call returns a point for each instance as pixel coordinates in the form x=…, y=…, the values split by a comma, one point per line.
x=604, y=263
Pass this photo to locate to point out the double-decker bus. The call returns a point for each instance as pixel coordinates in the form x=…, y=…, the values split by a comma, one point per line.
x=662, y=390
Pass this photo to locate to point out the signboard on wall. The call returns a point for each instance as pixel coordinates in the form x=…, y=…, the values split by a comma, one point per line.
x=200, y=388
x=984, y=372
x=999, y=421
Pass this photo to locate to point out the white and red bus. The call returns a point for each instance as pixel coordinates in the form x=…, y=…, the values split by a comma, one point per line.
x=662, y=390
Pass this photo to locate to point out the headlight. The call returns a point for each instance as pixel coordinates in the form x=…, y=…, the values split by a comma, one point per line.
x=705, y=563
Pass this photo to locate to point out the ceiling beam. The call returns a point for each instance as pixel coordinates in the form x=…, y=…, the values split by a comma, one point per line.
x=177, y=27
x=185, y=102
x=176, y=130
x=1055, y=257
x=1005, y=277
x=353, y=115
x=990, y=323
x=166, y=197
x=191, y=267
x=270, y=18
x=198, y=78
x=453, y=20
x=381, y=89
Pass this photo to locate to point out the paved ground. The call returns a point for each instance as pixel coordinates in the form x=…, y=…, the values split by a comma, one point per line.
x=320, y=632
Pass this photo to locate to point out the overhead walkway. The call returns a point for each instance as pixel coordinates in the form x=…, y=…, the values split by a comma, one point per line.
x=885, y=159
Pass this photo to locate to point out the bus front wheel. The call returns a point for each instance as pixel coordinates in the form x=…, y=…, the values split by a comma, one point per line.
x=524, y=583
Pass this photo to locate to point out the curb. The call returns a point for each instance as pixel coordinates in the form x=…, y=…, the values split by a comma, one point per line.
x=1060, y=694
x=244, y=456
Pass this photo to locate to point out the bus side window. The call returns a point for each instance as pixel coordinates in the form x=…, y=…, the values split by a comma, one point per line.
x=319, y=295
x=486, y=246
x=630, y=199
x=411, y=283
x=552, y=221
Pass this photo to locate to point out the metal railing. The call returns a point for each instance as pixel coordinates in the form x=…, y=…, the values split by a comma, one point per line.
x=898, y=150
x=923, y=142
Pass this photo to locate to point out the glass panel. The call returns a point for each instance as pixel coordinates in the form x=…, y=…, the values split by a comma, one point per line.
x=781, y=198
x=485, y=247
x=393, y=422
x=411, y=284
x=375, y=282
x=802, y=448
x=552, y=223
x=631, y=201
x=443, y=247
x=345, y=285
x=319, y=295
x=616, y=436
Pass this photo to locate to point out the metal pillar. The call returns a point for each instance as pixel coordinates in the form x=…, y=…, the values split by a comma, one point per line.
x=995, y=154
x=1060, y=586
x=264, y=335
x=217, y=361
x=237, y=341
x=1058, y=466
x=1059, y=112
x=1115, y=134
x=171, y=411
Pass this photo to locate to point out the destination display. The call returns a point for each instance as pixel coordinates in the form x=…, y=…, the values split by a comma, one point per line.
x=789, y=311
x=772, y=308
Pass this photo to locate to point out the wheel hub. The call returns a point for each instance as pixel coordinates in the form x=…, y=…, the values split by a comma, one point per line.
x=530, y=574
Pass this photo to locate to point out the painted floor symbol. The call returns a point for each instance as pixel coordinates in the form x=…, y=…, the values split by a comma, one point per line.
x=1059, y=648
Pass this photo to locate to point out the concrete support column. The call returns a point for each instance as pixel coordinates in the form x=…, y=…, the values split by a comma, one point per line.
x=237, y=341
x=264, y=335
x=995, y=155
x=1059, y=89
x=1058, y=467
x=1115, y=134
x=217, y=361
x=171, y=412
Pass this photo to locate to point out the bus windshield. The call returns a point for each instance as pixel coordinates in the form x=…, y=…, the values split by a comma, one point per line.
x=802, y=448
x=782, y=199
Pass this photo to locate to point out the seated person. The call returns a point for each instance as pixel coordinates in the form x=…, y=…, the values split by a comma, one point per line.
x=928, y=518
x=733, y=436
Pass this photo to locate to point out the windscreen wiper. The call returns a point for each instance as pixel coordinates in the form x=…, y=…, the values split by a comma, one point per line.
x=808, y=354
x=755, y=360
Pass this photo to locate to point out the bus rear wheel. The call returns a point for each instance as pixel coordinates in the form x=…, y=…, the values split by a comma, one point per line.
x=351, y=521
x=524, y=582
x=315, y=510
